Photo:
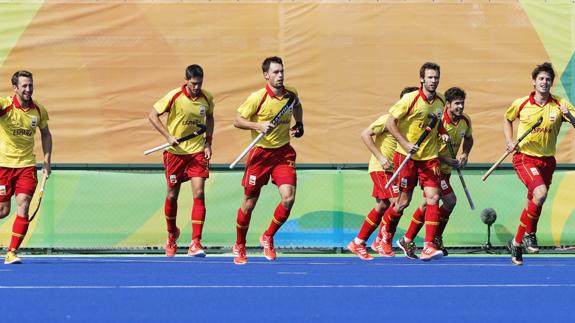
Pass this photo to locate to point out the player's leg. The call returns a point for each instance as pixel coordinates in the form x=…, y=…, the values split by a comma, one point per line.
x=449, y=200
x=429, y=176
x=417, y=220
x=198, y=217
x=170, y=213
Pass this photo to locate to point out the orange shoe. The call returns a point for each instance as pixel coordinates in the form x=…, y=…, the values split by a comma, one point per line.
x=385, y=247
x=267, y=243
x=430, y=252
x=239, y=251
x=359, y=250
x=171, y=246
x=375, y=245
x=196, y=249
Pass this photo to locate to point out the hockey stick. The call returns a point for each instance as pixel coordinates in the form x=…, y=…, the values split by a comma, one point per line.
x=509, y=152
x=452, y=153
x=196, y=133
x=426, y=132
x=289, y=105
x=40, y=195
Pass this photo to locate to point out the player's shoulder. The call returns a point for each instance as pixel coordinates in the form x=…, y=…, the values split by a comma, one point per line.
x=560, y=100
x=521, y=101
x=291, y=89
x=208, y=95
x=465, y=117
x=174, y=92
x=257, y=95
x=5, y=101
x=440, y=96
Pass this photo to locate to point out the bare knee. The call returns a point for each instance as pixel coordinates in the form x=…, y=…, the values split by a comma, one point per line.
x=248, y=205
x=288, y=201
x=539, y=196
x=4, y=211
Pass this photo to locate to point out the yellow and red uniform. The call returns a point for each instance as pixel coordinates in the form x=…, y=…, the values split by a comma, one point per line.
x=273, y=155
x=187, y=159
x=17, y=160
x=386, y=144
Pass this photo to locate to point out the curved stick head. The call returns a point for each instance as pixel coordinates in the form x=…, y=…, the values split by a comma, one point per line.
x=433, y=118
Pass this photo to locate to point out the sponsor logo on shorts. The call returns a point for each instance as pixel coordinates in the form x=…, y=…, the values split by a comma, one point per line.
x=403, y=182
x=2, y=189
x=252, y=180
x=173, y=179
x=395, y=189
x=291, y=163
x=534, y=171
x=34, y=121
x=444, y=185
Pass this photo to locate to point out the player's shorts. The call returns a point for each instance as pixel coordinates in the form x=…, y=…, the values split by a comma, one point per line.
x=534, y=171
x=380, y=179
x=180, y=168
x=14, y=181
x=426, y=172
x=444, y=184
x=279, y=163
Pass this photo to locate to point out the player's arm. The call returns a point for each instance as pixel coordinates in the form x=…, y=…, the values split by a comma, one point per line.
x=46, y=137
x=367, y=138
x=297, y=129
x=508, y=133
x=209, y=133
x=467, y=145
x=567, y=115
x=243, y=123
x=391, y=126
x=154, y=118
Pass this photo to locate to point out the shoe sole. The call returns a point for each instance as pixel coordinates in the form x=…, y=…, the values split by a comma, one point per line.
x=200, y=254
x=358, y=254
x=239, y=263
x=516, y=263
x=13, y=262
x=434, y=257
x=404, y=252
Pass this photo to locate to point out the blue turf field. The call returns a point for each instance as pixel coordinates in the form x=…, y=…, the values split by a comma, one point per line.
x=292, y=289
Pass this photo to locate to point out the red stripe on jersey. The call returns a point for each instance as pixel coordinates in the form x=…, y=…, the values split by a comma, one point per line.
x=261, y=102
x=522, y=106
x=413, y=103
x=172, y=100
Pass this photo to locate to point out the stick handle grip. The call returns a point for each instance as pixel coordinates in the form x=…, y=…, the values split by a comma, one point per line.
x=153, y=150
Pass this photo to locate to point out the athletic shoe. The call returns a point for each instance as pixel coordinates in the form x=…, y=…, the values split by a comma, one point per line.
x=530, y=242
x=171, y=246
x=196, y=249
x=359, y=250
x=516, y=253
x=408, y=248
x=267, y=243
x=438, y=241
x=386, y=249
x=430, y=252
x=375, y=245
x=239, y=251
x=12, y=258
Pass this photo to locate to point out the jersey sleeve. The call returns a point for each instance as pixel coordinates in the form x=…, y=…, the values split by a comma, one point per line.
x=378, y=126
x=400, y=108
x=250, y=106
x=569, y=107
x=164, y=104
x=211, y=105
x=43, y=117
x=511, y=113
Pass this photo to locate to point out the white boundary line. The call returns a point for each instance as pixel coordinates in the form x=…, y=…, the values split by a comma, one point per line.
x=288, y=286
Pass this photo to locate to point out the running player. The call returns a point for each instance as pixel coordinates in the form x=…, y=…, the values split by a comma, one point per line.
x=188, y=160
x=20, y=116
x=534, y=160
x=273, y=156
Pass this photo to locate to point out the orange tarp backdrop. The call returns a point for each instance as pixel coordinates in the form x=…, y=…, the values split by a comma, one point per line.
x=99, y=67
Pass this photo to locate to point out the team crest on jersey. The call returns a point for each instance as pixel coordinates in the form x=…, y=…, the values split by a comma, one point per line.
x=552, y=116
x=203, y=110
x=2, y=189
x=34, y=122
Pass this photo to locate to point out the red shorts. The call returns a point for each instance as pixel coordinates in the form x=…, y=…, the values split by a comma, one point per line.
x=262, y=163
x=180, y=168
x=380, y=179
x=426, y=171
x=534, y=171
x=444, y=184
x=14, y=181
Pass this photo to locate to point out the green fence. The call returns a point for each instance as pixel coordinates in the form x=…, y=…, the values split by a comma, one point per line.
x=124, y=208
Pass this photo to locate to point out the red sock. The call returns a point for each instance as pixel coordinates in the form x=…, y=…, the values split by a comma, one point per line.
x=391, y=220
x=431, y=221
x=443, y=219
x=198, y=217
x=415, y=225
x=533, y=213
x=171, y=211
x=19, y=229
x=370, y=223
x=523, y=220
x=281, y=215
x=242, y=226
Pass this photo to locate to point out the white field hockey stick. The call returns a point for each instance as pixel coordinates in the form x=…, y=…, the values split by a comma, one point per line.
x=196, y=133
x=467, y=194
x=289, y=105
x=509, y=152
x=426, y=132
x=40, y=195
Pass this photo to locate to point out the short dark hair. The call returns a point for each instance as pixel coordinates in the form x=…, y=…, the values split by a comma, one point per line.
x=454, y=93
x=269, y=60
x=408, y=89
x=545, y=67
x=19, y=74
x=194, y=70
x=428, y=66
